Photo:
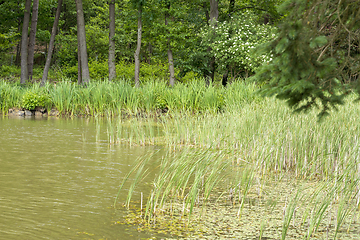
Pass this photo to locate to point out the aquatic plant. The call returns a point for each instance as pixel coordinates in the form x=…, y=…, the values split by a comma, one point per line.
x=261, y=142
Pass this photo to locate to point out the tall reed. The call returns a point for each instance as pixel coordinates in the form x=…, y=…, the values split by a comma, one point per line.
x=10, y=96
x=102, y=97
x=266, y=141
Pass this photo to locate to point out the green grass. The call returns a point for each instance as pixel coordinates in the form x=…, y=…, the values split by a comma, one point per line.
x=258, y=141
x=121, y=97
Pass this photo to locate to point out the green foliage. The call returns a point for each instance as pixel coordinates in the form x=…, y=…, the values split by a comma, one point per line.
x=315, y=56
x=8, y=71
x=31, y=100
x=7, y=40
x=10, y=96
x=100, y=70
x=233, y=43
x=66, y=52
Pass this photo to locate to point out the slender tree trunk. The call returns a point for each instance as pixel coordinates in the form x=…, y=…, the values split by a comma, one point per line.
x=79, y=57
x=79, y=65
x=51, y=44
x=82, y=42
x=206, y=9
x=112, y=66
x=137, y=52
x=17, y=58
x=225, y=77
x=32, y=38
x=24, y=42
x=171, y=67
x=214, y=11
x=214, y=15
x=170, y=55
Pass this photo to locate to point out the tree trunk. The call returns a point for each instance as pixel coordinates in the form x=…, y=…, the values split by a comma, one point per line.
x=79, y=65
x=206, y=9
x=171, y=67
x=17, y=58
x=51, y=44
x=214, y=15
x=225, y=77
x=214, y=11
x=85, y=75
x=112, y=66
x=137, y=52
x=32, y=37
x=170, y=55
x=24, y=42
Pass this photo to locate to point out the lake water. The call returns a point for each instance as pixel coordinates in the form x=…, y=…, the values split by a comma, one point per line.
x=58, y=182
x=59, y=179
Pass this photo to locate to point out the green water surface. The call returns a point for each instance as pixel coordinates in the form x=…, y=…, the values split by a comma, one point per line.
x=58, y=182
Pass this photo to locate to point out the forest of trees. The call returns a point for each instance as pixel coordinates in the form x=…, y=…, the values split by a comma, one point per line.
x=173, y=33
x=298, y=49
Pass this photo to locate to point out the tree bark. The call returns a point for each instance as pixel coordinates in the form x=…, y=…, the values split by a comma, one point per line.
x=206, y=9
x=225, y=77
x=32, y=37
x=85, y=75
x=137, y=52
x=51, y=44
x=214, y=15
x=79, y=65
x=214, y=11
x=170, y=55
x=112, y=66
x=24, y=42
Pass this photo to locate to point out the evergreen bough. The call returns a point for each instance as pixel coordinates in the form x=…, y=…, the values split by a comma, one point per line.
x=315, y=56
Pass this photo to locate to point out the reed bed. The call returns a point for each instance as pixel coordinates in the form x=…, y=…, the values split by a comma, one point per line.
x=264, y=133
x=121, y=97
x=260, y=145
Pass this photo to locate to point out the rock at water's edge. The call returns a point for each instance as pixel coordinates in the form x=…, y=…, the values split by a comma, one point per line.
x=28, y=113
x=53, y=112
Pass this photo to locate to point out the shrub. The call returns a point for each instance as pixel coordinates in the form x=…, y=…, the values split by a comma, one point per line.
x=233, y=43
x=31, y=100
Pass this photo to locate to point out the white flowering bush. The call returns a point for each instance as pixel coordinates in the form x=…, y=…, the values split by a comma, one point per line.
x=233, y=44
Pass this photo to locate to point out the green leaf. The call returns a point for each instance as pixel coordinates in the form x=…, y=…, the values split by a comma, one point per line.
x=281, y=46
x=318, y=42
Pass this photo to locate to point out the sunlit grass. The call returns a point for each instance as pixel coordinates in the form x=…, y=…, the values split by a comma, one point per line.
x=121, y=97
x=261, y=141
